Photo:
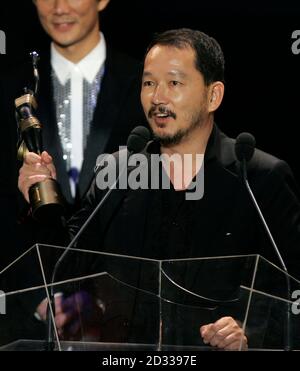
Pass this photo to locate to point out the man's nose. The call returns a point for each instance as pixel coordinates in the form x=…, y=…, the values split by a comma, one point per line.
x=159, y=95
x=61, y=6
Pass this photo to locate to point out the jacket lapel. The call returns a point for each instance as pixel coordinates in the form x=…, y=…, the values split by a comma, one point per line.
x=114, y=88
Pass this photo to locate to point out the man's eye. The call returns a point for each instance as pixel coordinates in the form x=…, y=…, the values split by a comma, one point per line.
x=147, y=83
x=175, y=83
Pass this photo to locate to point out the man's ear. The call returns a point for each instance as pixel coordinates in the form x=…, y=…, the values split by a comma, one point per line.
x=216, y=93
x=102, y=4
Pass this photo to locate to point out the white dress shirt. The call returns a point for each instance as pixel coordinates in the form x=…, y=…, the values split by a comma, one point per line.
x=86, y=69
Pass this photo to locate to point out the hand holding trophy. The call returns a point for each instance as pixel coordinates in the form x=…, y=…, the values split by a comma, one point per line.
x=45, y=197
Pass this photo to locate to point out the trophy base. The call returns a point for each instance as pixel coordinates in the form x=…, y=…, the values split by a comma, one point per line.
x=46, y=200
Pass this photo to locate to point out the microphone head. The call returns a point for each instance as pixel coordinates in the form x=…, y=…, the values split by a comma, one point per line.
x=138, y=139
x=244, y=146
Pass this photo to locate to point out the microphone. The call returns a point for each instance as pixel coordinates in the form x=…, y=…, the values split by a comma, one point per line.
x=136, y=142
x=138, y=139
x=244, y=146
x=244, y=151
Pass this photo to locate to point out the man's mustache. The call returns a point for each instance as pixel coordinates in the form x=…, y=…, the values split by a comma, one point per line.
x=161, y=109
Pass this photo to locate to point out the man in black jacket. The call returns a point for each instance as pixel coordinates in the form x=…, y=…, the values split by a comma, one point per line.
x=182, y=87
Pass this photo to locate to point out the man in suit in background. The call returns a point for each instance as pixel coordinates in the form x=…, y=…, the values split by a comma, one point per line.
x=88, y=100
x=89, y=93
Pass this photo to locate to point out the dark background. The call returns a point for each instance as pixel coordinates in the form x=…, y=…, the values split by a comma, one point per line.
x=262, y=74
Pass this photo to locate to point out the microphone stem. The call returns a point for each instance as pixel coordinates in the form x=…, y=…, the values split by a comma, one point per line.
x=50, y=346
x=262, y=218
x=51, y=307
x=83, y=227
x=287, y=335
x=133, y=146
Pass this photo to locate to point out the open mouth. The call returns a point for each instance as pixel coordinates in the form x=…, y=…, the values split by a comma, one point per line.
x=161, y=113
x=162, y=118
x=63, y=26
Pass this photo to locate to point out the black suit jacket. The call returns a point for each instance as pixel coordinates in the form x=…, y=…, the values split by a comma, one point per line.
x=226, y=222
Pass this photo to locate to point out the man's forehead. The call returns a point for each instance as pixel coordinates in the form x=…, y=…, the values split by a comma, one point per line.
x=171, y=60
x=170, y=73
x=158, y=49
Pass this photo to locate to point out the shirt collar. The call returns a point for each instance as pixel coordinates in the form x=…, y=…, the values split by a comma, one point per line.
x=89, y=65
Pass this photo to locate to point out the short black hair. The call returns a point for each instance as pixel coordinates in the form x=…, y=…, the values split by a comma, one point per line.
x=209, y=55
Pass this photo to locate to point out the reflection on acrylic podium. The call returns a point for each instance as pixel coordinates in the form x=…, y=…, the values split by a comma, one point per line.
x=128, y=303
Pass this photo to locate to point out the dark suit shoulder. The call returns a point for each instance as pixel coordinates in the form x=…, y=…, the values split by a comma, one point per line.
x=262, y=163
x=265, y=163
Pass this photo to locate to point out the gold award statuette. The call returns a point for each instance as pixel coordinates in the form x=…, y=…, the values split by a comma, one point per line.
x=45, y=197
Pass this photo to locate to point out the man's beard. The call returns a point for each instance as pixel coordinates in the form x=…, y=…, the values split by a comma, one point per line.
x=196, y=121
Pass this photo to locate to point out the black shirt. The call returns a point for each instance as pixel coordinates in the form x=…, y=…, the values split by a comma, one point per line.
x=167, y=231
